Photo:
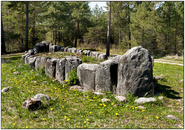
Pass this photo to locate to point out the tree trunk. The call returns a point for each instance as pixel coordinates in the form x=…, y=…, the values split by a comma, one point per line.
x=3, y=48
x=119, y=37
x=33, y=37
x=26, y=45
x=77, y=34
x=108, y=31
x=129, y=34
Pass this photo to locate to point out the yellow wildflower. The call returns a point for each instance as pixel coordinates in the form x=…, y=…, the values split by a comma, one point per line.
x=146, y=117
x=157, y=117
x=44, y=119
x=116, y=114
x=51, y=109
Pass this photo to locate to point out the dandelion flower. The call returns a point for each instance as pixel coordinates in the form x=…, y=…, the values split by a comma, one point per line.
x=51, y=109
x=76, y=126
x=84, y=121
x=62, y=106
x=98, y=125
x=44, y=119
x=68, y=119
x=26, y=127
x=146, y=117
x=87, y=119
x=14, y=124
x=89, y=112
x=65, y=116
x=157, y=117
x=116, y=114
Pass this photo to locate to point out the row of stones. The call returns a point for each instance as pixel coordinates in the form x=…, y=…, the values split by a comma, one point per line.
x=120, y=74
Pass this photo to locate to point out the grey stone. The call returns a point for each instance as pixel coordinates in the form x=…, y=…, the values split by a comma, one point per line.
x=31, y=62
x=79, y=51
x=172, y=117
x=47, y=45
x=152, y=58
x=75, y=87
x=17, y=73
x=73, y=50
x=60, y=48
x=71, y=64
x=121, y=98
x=98, y=93
x=53, y=48
x=102, y=56
x=60, y=70
x=86, y=74
x=23, y=57
x=39, y=47
x=141, y=107
x=31, y=52
x=106, y=76
x=40, y=62
x=32, y=104
x=105, y=100
x=116, y=58
x=94, y=54
x=66, y=48
x=33, y=82
x=4, y=90
x=32, y=70
x=87, y=52
x=135, y=73
x=50, y=67
x=161, y=98
x=113, y=55
x=182, y=80
x=158, y=78
x=142, y=100
x=26, y=59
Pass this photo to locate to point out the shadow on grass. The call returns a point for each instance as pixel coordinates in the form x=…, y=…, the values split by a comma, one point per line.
x=167, y=91
x=11, y=58
x=91, y=49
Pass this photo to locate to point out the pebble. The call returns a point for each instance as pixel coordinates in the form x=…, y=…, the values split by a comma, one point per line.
x=158, y=78
x=161, y=98
x=182, y=80
x=121, y=98
x=76, y=87
x=142, y=100
x=141, y=107
x=98, y=93
x=105, y=100
x=6, y=89
x=17, y=73
x=172, y=117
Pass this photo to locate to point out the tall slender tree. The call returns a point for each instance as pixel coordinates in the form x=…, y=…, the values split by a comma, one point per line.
x=3, y=48
x=108, y=30
x=26, y=45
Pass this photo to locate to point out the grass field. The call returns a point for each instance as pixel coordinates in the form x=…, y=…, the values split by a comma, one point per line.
x=75, y=109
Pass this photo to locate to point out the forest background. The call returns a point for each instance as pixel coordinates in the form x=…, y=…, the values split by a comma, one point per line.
x=156, y=26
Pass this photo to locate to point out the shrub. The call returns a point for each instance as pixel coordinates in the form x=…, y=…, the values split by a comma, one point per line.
x=72, y=79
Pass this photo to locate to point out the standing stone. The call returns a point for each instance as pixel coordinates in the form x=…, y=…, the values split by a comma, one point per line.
x=26, y=60
x=102, y=56
x=86, y=74
x=116, y=58
x=135, y=73
x=87, y=52
x=66, y=48
x=53, y=48
x=73, y=50
x=47, y=45
x=71, y=64
x=50, y=67
x=106, y=76
x=60, y=70
x=40, y=62
x=94, y=54
x=31, y=52
x=24, y=56
x=31, y=62
x=79, y=51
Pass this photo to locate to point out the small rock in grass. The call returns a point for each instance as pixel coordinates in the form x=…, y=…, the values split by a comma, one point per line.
x=158, y=78
x=6, y=80
x=105, y=100
x=142, y=100
x=121, y=98
x=76, y=87
x=62, y=53
x=141, y=107
x=182, y=80
x=32, y=70
x=44, y=82
x=41, y=96
x=172, y=117
x=33, y=82
x=6, y=89
x=17, y=73
x=32, y=104
x=98, y=93
x=161, y=98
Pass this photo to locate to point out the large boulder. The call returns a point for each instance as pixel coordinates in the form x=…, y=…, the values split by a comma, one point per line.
x=135, y=73
x=106, y=76
x=71, y=64
x=40, y=62
x=39, y=47
x=60, y=48
x=94, y=54
x=79, y=51
x=50, y=67
x=87, y=52
x=26, y=59
x=86, y=74
x=102, y=56
x=52, y=48
x=24, y=56
x=31, y=62
x=60, y=70
x=116, y=58
x=47, y=45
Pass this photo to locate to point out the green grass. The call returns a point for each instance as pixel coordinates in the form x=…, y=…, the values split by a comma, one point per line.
x=74, y=109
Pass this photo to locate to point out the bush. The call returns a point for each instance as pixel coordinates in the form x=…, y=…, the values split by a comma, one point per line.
x=72, y=78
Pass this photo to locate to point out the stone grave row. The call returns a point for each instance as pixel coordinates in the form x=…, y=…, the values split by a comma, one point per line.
x=120, y=74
